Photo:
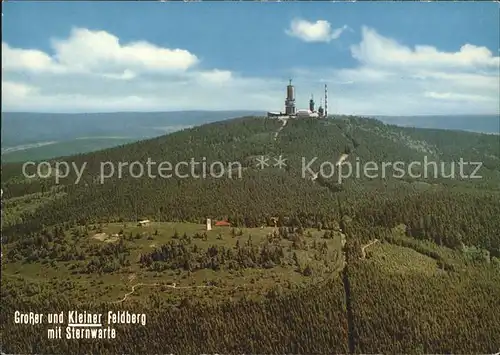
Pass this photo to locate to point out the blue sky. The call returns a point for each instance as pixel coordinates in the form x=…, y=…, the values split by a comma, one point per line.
x=384, y=58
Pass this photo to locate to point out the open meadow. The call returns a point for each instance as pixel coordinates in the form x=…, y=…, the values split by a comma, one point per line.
x=114, y=272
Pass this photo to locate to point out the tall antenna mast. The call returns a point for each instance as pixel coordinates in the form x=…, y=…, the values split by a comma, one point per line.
x=326, y=101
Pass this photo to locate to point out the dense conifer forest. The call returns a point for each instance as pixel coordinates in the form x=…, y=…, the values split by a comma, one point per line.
x=391, y=264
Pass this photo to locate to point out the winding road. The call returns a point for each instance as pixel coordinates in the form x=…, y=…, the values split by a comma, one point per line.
x=366, y=246
x=133, y=290
x=285, y=121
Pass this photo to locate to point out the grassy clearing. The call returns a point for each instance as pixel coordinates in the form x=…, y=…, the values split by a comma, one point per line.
x=401, y=260
x=229, y=284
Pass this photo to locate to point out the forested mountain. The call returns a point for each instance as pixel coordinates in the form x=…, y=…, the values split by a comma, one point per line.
x=428, y=280
x=37, y=136
x=261, y=193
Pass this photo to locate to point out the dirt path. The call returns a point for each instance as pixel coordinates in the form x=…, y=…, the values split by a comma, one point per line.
x=366, y=246
x=169, y=286
x=342, y=158
x=285, y=121
x=348, y=299
x=133, y=290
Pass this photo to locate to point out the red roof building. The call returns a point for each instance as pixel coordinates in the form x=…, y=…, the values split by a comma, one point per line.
x=222, y=224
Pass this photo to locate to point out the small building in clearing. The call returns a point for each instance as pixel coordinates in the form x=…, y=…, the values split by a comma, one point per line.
x=222, y=224
x=143, y=223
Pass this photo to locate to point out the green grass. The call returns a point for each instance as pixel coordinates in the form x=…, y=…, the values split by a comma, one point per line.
x=400, y=260
x=231, y=284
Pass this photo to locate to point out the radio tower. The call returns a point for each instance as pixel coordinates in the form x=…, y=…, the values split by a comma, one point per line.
x=326, y=101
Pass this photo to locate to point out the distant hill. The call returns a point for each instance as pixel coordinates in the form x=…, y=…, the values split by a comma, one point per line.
x=36, y=136
x=473, y=123
x=32, y=132
x=49, y=150
x=19, y=128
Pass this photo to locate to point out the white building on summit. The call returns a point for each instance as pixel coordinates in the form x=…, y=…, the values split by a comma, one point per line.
x=290, y=110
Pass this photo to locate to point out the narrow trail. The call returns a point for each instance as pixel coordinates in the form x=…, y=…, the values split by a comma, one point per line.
x=285, y=121
x=133, y=290
x=350, y=315
x=351, y=329
x=174, y=286
x=348, y=301
x=342, y=158
x=366, y=246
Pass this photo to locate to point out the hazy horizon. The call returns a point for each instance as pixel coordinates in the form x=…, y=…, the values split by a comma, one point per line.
x=248, y=110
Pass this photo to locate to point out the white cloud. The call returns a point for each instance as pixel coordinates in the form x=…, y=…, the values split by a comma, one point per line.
x=92, y=71
x=88, y=51
x=126, y=75
x=17, y=90
x=394, y=79
x=216, y=76
x=25, y=59
x=379, y=51
x=319, y=31
x=450, y=96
